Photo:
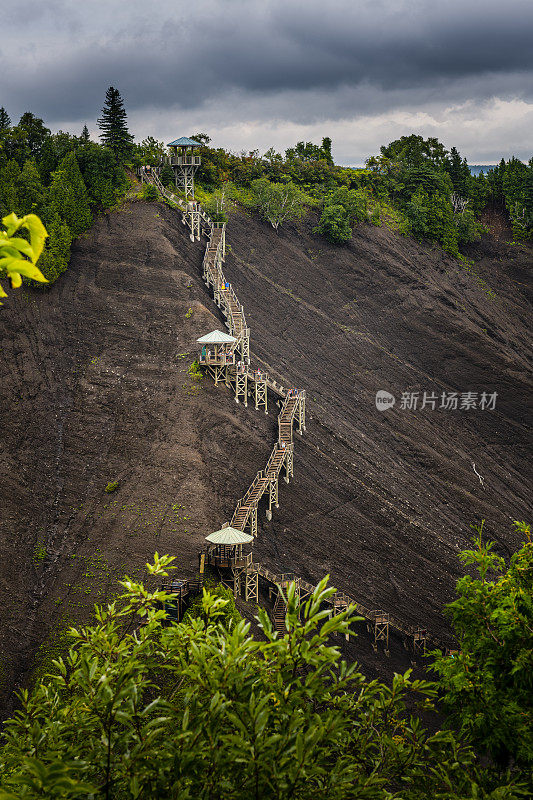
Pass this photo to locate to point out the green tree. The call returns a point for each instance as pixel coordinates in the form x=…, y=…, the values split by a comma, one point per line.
x=31, y=192
x=334, y=224
x=149, y=151
x=218, y=205
x=417, y=212
x=201, y=711
x=85, y=135
x=354, y=201
x=68, y=195
x=56, y=254
x=467, y=227
x=149, y=191
x=113, y=124
x=167, y=175
x=5, y=120
x=9, y=179
x=36, y=133
x=459, y=172
x=102, y=175
x=278, y=202
x=488, y=683
x=415, y=151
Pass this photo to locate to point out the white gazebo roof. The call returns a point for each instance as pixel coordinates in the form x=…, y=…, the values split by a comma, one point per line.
x=216, y=337
x=229, y=536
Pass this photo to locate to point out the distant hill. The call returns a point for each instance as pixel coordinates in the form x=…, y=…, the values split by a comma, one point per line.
x=475, y=169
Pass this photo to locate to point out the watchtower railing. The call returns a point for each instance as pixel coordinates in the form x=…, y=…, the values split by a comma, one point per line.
x=184, y=161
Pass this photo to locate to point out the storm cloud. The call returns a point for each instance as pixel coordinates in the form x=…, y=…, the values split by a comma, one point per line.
x=255, y=73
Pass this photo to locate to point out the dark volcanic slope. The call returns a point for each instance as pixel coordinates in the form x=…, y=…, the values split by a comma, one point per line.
x=95, y=388
x=384, y=500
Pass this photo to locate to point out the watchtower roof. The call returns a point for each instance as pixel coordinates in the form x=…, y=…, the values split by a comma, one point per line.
x=184, y=142
x=229, y=535
x=216, y=337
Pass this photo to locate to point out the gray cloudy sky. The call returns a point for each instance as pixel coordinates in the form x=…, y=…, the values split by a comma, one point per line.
x=256, y=73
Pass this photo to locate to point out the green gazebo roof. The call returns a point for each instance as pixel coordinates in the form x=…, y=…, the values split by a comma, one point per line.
x=216, y=337
x=184, y=142
x=229, y=535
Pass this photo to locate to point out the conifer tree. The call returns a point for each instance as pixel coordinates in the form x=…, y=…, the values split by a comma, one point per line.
x=9, y=177
x=30, y=189
x=113, y=125
x=69, y=197
x=5, y=121
x=85, y=134
x=56, y=254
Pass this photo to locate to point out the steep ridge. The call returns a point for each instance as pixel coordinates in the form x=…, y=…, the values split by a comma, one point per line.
x=452, y=398
x=224, y=366
x=94, y=389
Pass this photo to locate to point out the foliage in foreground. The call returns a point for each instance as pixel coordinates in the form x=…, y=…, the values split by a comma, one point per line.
x=202, y=710
x=18, y=256
x=488, y=683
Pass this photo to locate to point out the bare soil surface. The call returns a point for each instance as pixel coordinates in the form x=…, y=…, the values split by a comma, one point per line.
x=95, y=389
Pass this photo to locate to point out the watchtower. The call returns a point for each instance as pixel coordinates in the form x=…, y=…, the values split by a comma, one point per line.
x=184, y=163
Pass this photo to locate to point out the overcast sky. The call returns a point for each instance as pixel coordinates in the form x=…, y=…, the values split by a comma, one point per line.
x=260, y=73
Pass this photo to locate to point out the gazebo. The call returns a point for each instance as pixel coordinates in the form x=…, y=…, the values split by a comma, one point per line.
x=217, y=352
x=225, y=549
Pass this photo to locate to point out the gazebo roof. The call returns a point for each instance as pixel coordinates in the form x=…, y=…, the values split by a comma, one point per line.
x=184, y=142
x=216, y=337
x=229, y=535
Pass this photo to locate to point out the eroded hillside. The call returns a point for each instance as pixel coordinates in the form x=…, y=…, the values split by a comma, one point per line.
x=95, y=389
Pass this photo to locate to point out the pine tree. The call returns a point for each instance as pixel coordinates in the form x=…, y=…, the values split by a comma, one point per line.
x=85, y=134
x=9, y=177
x=69, y=197
x=5, y=121
x=30, y=189
x=56, y=254
x=113, y=125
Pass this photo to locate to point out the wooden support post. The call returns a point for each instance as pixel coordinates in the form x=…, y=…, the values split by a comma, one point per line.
x=241, y=387
x=245, y=346
x=253, y=521
x=381, y=630
x=289, y=463
x=272, y=497
x=251, y=585
x=301, y=412
x=261, y=394
x=194, y=222
x=236, y=583
x=419, y=641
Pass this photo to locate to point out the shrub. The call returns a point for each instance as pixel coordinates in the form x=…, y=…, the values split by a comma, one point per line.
x=218, y=206
x=334, y=224
x=200, y=709
x=375, y=216
x=149, y=192
x=278, y=202
x=354, y=201
x=111, y=487
x=195, y=372
x=467, y=227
